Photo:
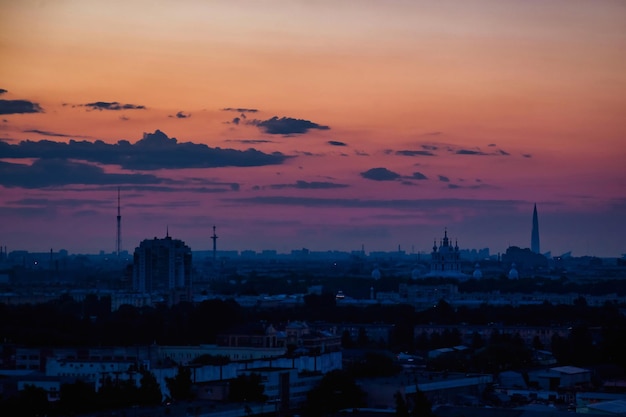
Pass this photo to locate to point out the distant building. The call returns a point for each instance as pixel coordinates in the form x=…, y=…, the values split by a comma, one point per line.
x=163, y=266
x=513, y=274
x=524, y=258
x=438, y=388
x=445, y=259
x=477, y=274
x=534, y=239
x=561, y=377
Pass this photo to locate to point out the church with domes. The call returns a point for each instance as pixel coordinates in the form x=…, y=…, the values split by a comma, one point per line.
x=445, y=259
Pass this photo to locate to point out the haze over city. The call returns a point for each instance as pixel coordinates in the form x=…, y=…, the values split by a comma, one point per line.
x=320, y=124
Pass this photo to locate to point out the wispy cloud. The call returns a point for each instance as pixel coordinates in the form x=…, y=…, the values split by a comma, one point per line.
x=53, y=134
x=112, y=105
x=286, y=125
x=305, y=185
x=469, y=152
x=240, y=109
x=154, y=151
x=380, y=174
x=250, y=141
x=415, y=153
x=19, y=107
x=180, y=115
x=470, y=187
x=57, y=172
x=398, y=204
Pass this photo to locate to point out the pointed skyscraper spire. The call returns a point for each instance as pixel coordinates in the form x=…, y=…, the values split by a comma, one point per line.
x=534, y=239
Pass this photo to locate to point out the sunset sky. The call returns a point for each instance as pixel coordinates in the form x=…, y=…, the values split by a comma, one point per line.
x=325, y=125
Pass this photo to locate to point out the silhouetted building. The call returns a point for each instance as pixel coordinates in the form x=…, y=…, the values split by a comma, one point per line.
x=524, y=258
x=445, y=259
x=163, y=266
x=534, y=239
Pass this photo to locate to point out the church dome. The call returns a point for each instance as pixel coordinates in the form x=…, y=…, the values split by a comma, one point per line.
x=376, y=274
x=477, y=272
x=513, y=274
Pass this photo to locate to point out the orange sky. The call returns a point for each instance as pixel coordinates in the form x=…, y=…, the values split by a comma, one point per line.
x=544, y=82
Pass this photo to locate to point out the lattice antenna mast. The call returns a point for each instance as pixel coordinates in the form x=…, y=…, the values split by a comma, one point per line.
x=118, y=241
x=214, y=238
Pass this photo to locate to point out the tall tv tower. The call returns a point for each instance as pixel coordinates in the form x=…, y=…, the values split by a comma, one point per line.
x=118, y=242
x=214, y=239
x=534, y=239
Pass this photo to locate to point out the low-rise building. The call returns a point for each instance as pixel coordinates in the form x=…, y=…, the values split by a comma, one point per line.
x=560, y=377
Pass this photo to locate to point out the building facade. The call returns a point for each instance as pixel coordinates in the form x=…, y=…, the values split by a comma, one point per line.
x=445, y=259
x=163, y=266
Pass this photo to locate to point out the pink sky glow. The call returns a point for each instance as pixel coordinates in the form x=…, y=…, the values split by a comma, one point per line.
x=372, y=123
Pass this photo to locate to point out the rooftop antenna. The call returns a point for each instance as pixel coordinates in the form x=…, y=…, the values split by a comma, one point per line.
x=118, y=242
x=214, y=239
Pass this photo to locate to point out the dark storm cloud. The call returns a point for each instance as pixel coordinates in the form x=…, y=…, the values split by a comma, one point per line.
x=154, y=151
x=527, y=155
x=240, y=110
x=59, y=172
x=419, y=176
x=2, y=91
x=19, y=107
x=181, y=115
x=336, y=143
x=504, y=153
x=236, y=120
x=112, y=105
x=314, y=185
x=443, y=178
x=286, y=125
x=414, y=153
x=380, y=174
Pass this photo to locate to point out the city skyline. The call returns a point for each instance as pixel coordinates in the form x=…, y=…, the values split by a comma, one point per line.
x=313, y=124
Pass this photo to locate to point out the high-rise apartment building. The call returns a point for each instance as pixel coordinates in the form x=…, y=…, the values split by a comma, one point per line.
x=163, y=266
